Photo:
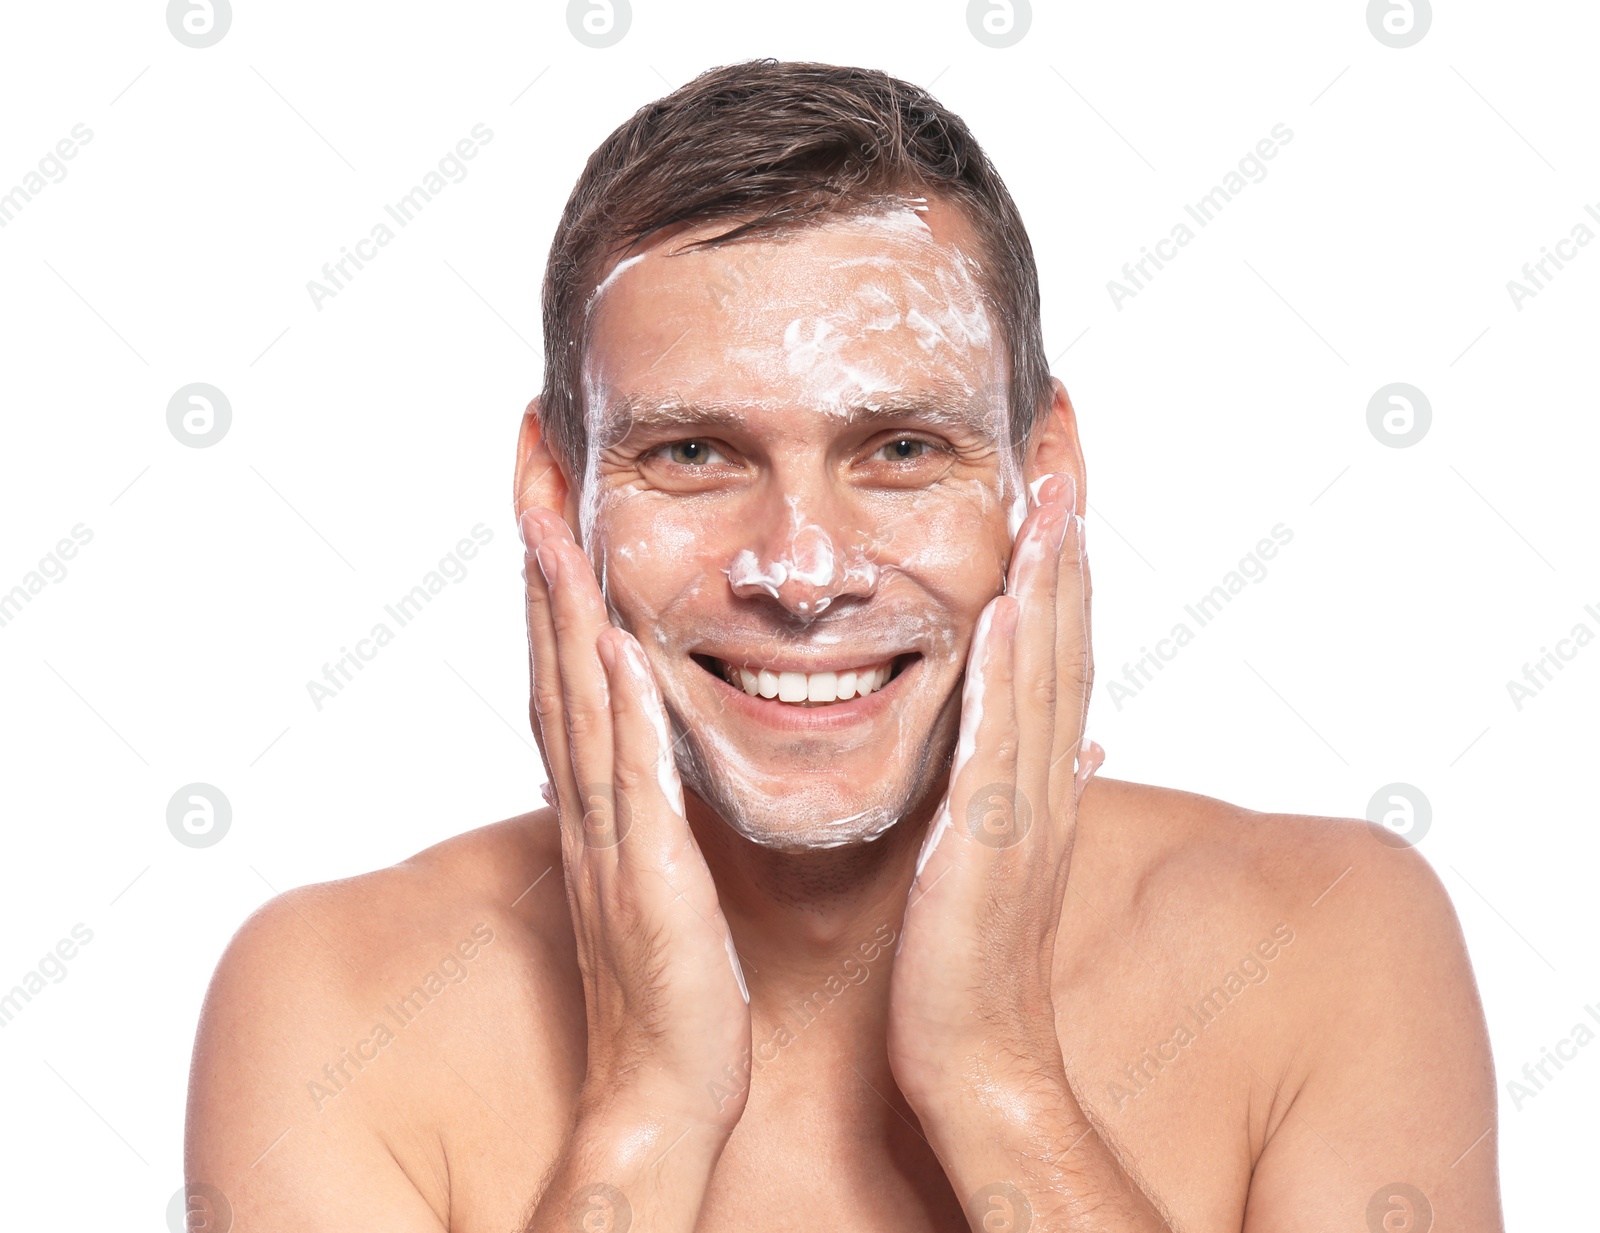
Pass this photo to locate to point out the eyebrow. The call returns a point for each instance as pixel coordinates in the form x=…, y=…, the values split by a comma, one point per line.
x=941, y=406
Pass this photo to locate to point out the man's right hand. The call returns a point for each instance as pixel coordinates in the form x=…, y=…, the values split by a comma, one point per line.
x=668, y=1013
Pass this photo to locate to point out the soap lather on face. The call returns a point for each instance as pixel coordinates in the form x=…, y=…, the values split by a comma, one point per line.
x=795, y=539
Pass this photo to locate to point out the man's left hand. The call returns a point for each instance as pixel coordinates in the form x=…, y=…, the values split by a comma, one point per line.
x=972, y=1011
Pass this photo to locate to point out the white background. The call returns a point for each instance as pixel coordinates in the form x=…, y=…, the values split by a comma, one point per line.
x=368, y=437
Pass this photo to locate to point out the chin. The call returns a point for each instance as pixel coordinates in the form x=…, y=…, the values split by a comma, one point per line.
x=786, y=833
x=787, y=808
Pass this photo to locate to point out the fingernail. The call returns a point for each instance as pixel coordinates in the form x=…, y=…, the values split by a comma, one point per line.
x=1056, y=488
x=1090, y=758
x=607, y=648
x=531, y=529
x=546, y=557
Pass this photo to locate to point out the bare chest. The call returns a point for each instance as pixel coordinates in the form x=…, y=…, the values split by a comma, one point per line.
x=1171, y=1048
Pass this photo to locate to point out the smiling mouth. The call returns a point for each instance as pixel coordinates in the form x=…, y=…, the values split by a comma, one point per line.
x=807, y=689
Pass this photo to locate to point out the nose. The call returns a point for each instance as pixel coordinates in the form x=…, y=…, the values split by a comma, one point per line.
x=803, y=566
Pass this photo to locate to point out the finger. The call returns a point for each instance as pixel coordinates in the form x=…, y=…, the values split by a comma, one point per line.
x=979, y=813
x=1074, y=653
x=657, y=842
x=649, y=794
x=1090, y=758
x=549, y=719
x=562, y=791
x=934, y=860
x=577, y=615
x=1034, y=577
x=985, y=804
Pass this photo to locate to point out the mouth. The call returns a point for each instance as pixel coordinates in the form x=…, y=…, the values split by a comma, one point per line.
x=807, y=690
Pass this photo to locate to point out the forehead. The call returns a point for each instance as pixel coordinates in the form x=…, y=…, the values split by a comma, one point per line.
x=843, y=313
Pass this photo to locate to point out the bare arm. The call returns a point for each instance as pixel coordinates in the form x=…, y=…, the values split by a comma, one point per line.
x=1391, y=1126
x=267, y=1127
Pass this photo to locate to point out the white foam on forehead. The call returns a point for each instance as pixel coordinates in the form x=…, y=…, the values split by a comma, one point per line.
x=890, y=218
x=953, y=314
x=622, y=267
x=821, y=344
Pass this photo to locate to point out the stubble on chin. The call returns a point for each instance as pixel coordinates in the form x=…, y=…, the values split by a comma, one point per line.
x=801, y=820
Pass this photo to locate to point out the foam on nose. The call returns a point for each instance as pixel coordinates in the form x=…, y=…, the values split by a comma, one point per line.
x=748, y=570
x=810, y=559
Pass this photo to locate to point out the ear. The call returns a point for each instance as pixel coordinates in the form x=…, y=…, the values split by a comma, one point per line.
x=1053, y=447
x=540, y=479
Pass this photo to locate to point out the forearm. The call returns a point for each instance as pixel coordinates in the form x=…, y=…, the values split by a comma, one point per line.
x=623, y=1170
x=1024, y=1155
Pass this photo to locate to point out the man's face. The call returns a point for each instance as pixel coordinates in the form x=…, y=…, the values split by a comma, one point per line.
x=799, y=495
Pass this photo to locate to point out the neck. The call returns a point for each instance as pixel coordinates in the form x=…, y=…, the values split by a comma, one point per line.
x=797, y=916
x=816, y=932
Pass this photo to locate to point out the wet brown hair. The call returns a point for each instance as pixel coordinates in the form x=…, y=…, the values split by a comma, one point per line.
x=774, y=145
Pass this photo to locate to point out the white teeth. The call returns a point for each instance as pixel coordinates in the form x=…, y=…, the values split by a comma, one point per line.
x=813, y=687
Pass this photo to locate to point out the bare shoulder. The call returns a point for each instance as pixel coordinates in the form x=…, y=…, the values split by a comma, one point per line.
x=1322, y=964
x=351, y=939
x=345, y=1018
x=1173, y=854
x=1362, y=920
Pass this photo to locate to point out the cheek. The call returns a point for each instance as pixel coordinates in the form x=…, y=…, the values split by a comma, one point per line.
x=654, y=558
x=952, y=542
x=952, y=548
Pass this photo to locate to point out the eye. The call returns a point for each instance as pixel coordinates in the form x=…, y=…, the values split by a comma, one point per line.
x=693, y=453
x=902, y=449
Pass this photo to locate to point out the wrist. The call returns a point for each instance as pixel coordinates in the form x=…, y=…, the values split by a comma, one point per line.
x=659, y=1107
x=623, y=1165
x=999, y=1095
x=627, y=1141
x=981, y=1075
x=1013, y=1148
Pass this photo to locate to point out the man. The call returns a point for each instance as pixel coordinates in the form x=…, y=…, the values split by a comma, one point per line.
x=829, y=925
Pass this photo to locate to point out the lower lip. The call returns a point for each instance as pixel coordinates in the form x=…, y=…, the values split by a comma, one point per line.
x=791, y=717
